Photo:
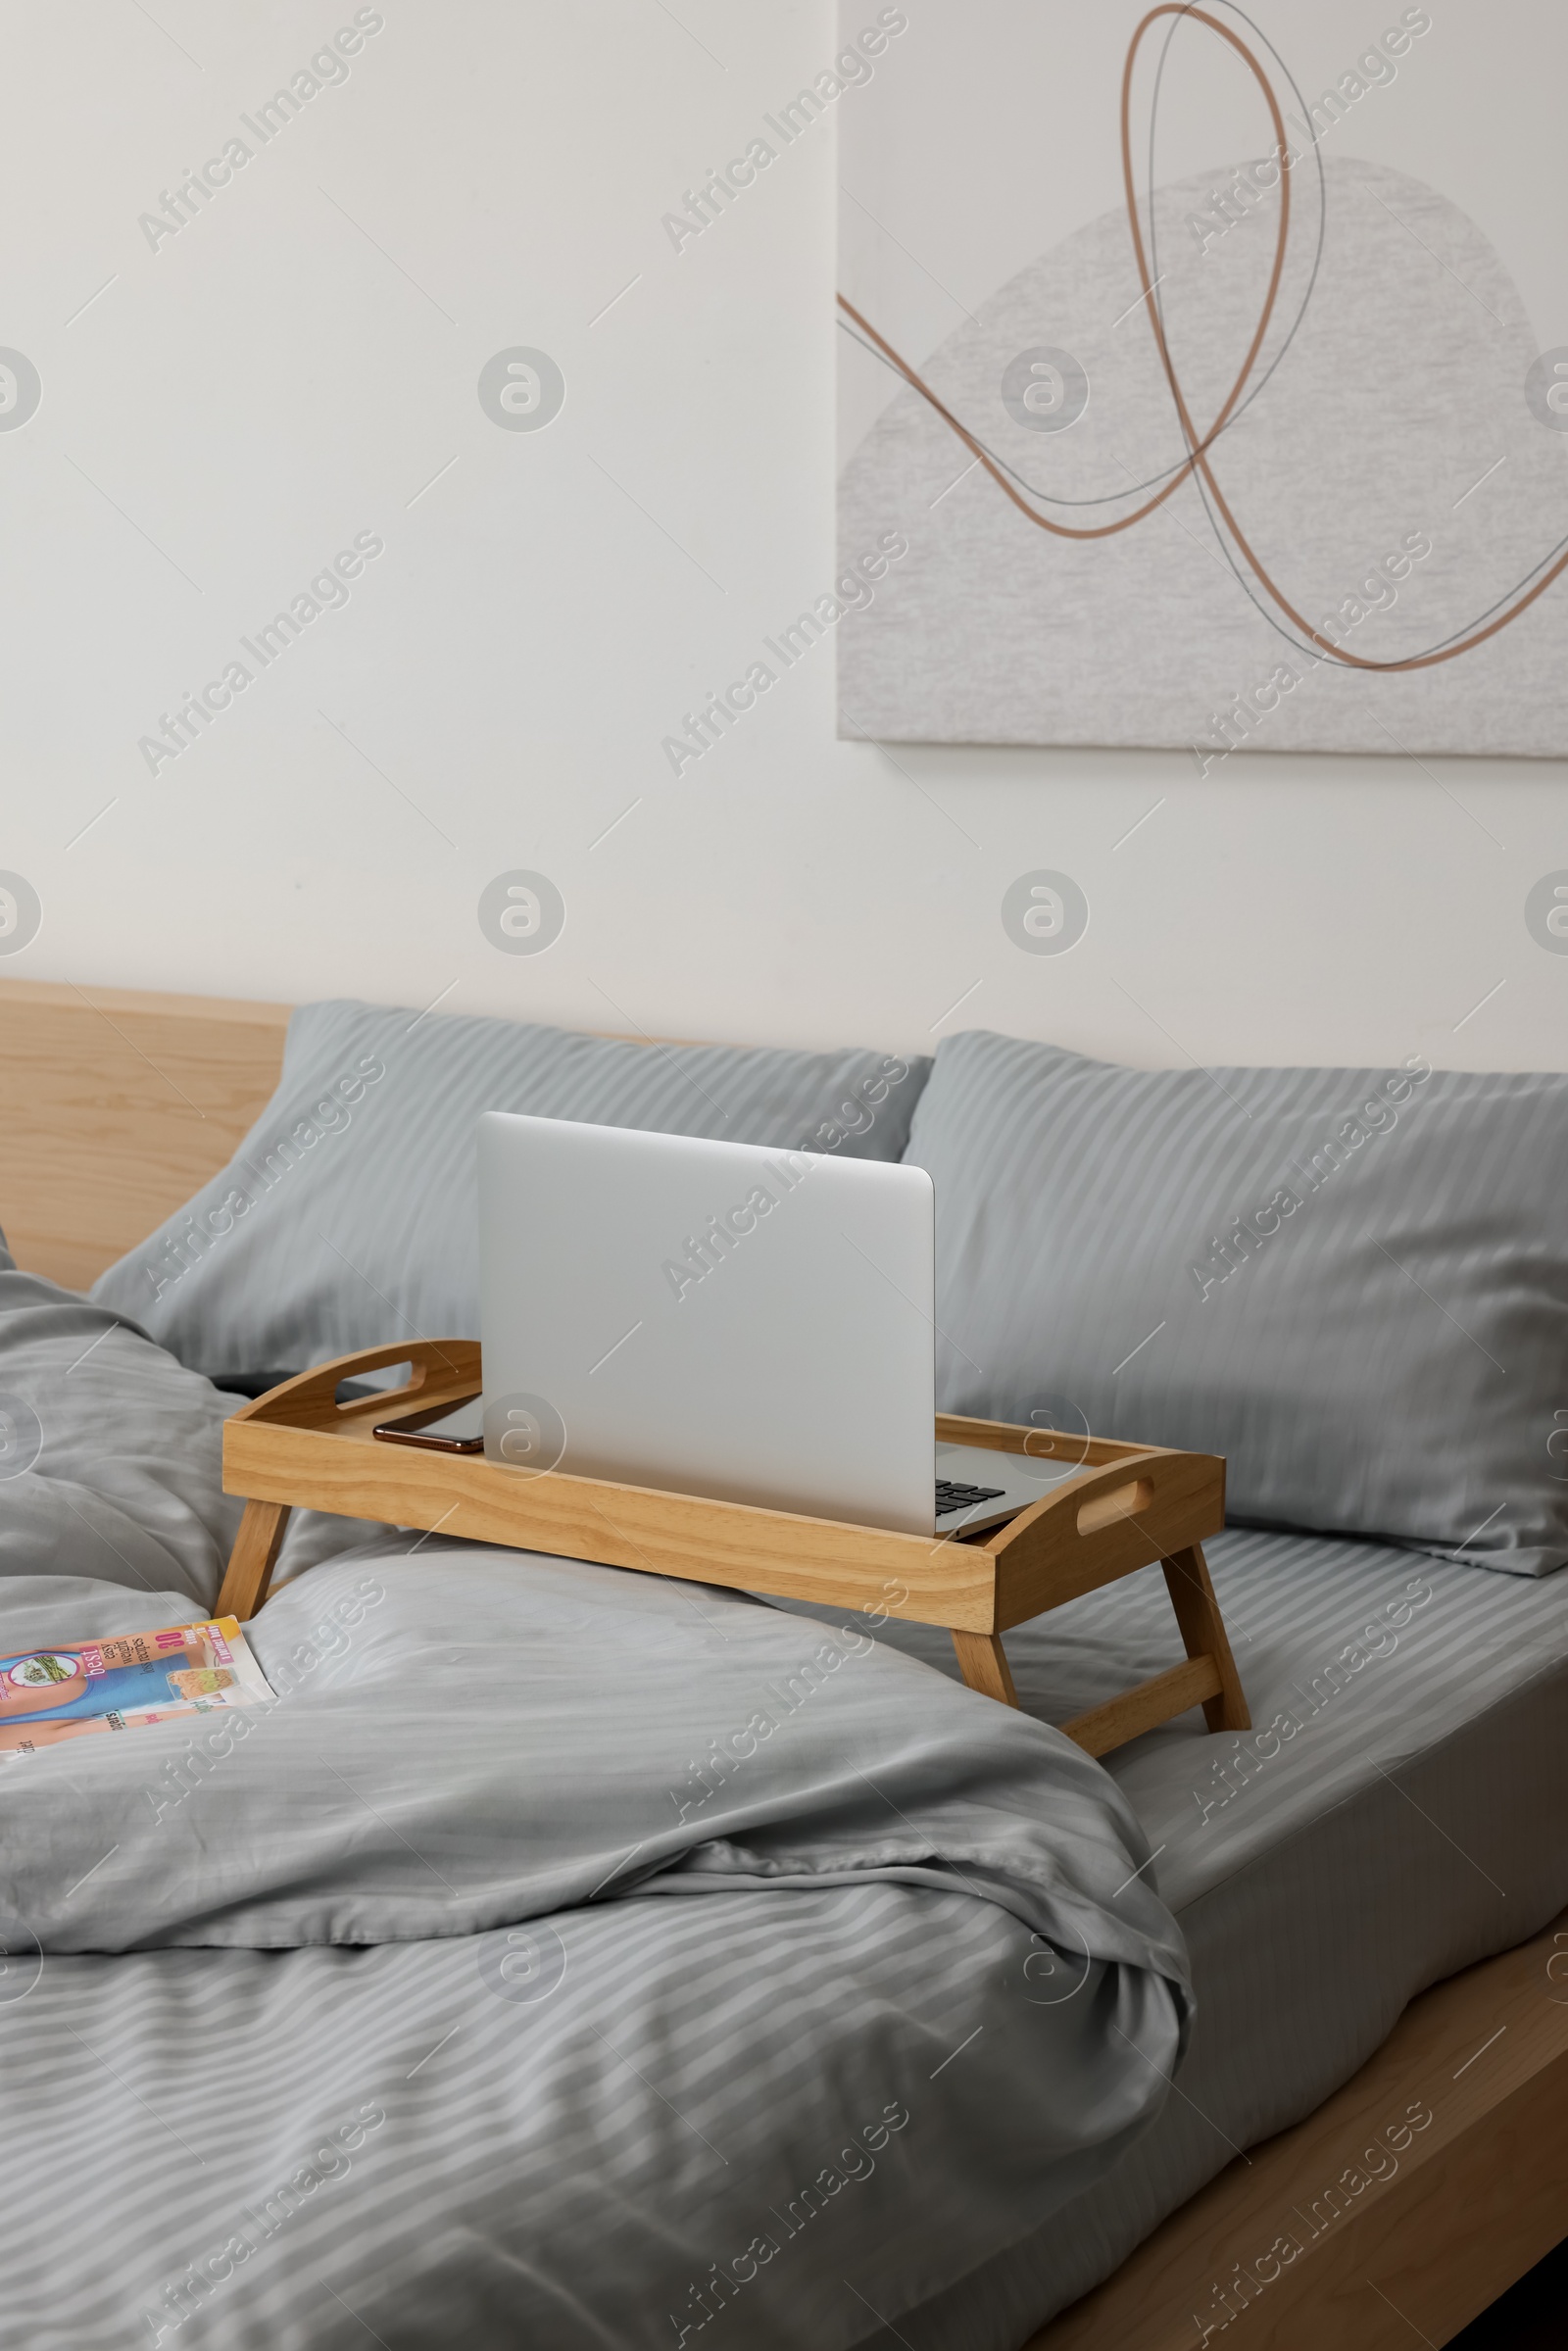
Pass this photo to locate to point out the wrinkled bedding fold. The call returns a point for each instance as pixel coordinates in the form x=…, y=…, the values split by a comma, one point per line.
x=566, y=1956
x=467, y=1737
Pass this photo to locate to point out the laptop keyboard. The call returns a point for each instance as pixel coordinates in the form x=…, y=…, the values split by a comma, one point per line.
x=952, y=1496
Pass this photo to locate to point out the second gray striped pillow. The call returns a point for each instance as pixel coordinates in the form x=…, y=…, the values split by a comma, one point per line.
x=1352, y=1283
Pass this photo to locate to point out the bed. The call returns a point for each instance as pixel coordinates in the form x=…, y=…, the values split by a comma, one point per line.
x=1410, y=1830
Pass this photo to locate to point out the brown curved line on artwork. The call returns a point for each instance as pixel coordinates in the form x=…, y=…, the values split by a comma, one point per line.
x=1427, y=660
x=1196, y=459
x=1196, y=448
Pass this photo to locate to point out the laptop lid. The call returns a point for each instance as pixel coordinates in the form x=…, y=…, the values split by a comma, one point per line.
x=709, y=1318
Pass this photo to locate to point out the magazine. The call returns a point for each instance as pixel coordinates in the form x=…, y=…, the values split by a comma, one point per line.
x=50, y=1694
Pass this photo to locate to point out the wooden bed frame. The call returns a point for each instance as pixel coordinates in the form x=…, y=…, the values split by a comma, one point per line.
x=115, y=1107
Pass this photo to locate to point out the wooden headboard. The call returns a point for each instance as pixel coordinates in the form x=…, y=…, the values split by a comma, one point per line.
x=113, y=1106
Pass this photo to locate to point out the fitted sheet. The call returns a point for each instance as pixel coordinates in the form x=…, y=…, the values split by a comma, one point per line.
x=1413, y=1821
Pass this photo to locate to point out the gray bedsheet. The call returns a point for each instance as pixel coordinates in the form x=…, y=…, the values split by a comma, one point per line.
x=1399, y=1811
x=464, y=2068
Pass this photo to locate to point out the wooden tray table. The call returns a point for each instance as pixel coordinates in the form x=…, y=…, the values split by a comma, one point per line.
x=298, y=1447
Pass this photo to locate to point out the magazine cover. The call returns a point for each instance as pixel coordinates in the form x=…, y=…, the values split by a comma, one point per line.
x=50, y=1694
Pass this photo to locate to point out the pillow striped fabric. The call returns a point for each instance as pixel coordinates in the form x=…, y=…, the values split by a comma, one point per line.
x=1352, y=1282
x=350, y=1214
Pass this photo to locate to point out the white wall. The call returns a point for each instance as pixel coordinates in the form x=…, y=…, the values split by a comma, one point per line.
x=234, y=406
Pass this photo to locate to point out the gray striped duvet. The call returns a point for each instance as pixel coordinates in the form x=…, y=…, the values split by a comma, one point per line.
x=570, y=1957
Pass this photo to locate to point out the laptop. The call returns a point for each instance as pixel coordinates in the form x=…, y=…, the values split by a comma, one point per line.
x=722, y=1319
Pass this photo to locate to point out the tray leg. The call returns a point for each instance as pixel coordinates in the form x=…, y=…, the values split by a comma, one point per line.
x=983, y=1663
x=1202, y=1632
x=252, y=1559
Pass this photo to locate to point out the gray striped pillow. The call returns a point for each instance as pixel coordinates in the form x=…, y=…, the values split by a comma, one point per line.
x=350, y=1214
x=1352, y=1283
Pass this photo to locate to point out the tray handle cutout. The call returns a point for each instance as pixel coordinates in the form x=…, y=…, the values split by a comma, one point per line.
x=1122, y=1501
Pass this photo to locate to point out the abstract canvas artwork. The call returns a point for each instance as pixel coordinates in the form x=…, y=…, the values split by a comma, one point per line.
x=1209, y=377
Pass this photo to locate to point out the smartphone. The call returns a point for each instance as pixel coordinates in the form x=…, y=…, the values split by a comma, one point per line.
x=460, y=1431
